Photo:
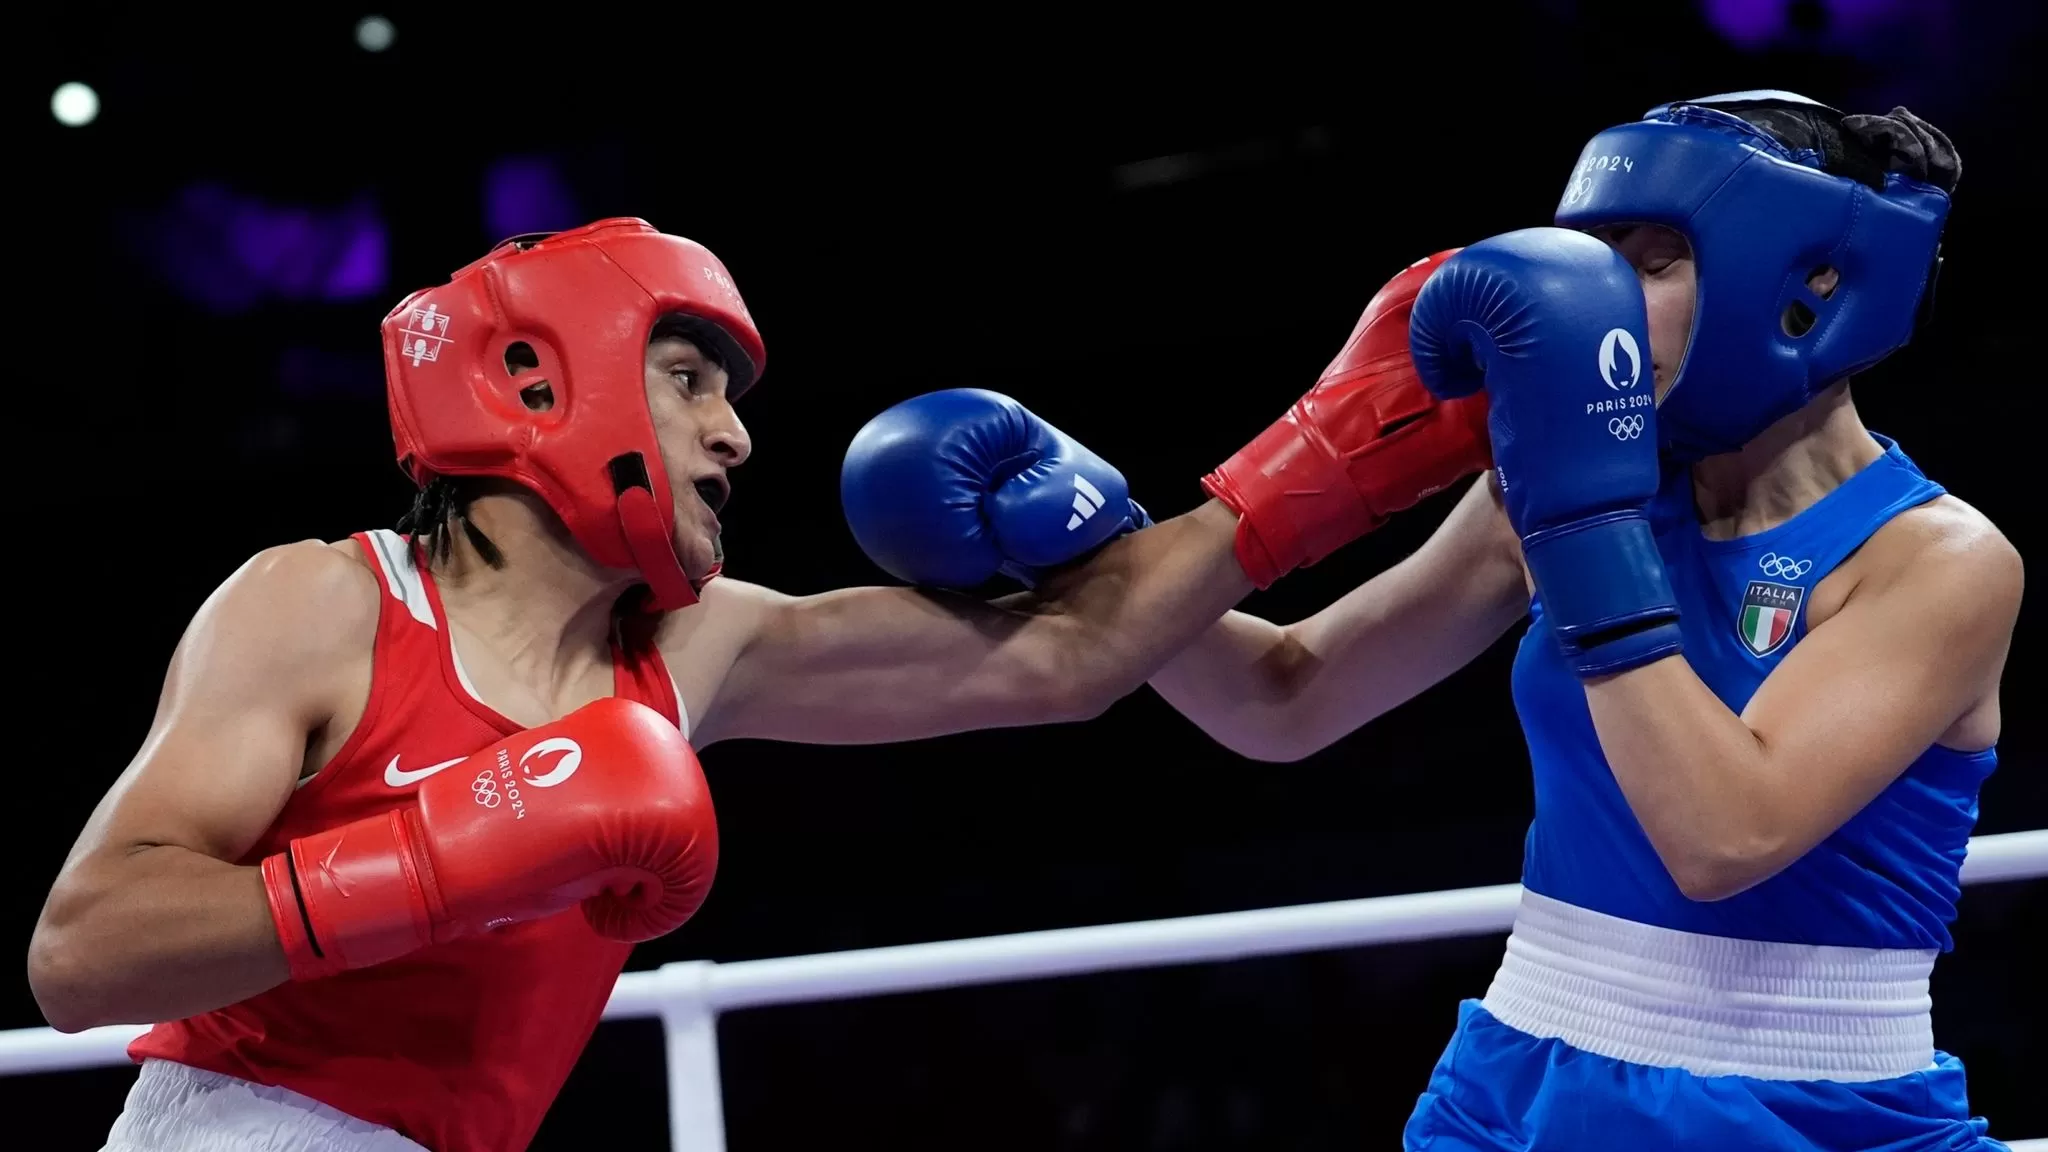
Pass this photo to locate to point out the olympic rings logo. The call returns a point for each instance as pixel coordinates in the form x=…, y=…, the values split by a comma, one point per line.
x=486, y=788
x=1626, y=427
x=1784, y=567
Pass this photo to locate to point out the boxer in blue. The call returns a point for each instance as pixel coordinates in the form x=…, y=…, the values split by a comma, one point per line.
x=1760, y=682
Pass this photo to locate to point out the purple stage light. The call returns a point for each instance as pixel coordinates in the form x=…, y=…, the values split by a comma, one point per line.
x=527, y=194
x=1855, y=16
x=1747, y=23
x=229, y=252
x=1843, y=23
x=361, y=270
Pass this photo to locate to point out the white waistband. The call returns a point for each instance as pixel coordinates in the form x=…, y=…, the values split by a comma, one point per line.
x=175, y=1108
x=1712, y=1005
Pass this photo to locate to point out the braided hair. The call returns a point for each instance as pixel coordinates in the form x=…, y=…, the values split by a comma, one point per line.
x=437, y=509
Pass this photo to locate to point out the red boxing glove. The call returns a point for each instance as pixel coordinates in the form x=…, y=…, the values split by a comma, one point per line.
x=606, y=807
x=1366, y=442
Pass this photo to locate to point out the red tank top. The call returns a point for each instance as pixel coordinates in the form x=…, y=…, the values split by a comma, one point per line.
x=461, y=1046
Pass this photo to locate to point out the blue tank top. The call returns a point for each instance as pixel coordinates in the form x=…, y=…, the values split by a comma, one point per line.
x=1889, y=878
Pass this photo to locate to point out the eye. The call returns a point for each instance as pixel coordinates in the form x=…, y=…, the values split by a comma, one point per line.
x=686, y=378
x=1659, y=260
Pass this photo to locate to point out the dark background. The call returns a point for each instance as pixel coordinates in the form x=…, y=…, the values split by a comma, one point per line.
x=1155, y=236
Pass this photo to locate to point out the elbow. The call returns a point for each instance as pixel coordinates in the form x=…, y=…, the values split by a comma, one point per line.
x=1705, y=885
x=1276, y=750
x=1266, y=742
x=1705, y=873
x=67, y=974
x=59, y=977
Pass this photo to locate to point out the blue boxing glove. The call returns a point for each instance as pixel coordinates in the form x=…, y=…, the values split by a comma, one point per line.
x=949, y=488
x=1552, y=324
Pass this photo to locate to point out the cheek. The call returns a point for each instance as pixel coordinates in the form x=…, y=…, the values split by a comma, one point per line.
x=1670, y=306
x=670, y=419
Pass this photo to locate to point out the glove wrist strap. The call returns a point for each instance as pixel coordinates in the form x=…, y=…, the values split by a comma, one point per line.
x=1294, y=500
x=349, y=897
x=1605, y=592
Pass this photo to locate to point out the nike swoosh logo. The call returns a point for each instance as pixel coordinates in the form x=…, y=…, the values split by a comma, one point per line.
x=327, y=867
x=398, y=779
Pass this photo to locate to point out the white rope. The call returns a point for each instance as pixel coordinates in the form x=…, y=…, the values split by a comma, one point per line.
x=45, y=1050
x=1113, y=947
x=2009, y=856
x=1192, y=939
x=1033, y=955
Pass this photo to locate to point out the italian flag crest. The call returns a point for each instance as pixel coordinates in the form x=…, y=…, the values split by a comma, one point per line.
x=1768, y=611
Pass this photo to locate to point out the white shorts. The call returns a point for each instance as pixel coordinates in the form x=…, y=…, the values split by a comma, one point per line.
x=176, y=1108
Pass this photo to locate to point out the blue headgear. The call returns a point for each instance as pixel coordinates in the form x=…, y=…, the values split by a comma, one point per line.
x=1762, y=218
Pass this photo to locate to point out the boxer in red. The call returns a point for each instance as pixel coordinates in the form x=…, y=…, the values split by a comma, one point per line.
x=408, y=800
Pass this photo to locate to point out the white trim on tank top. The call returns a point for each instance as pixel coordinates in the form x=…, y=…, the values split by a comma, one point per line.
x=402, y=577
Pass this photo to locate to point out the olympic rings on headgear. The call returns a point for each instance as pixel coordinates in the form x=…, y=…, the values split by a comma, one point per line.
x=1626, y=427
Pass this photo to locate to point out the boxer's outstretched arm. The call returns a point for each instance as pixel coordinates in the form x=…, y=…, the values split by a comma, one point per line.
x=148, y=919
x=1274, y=692
x=876, y=665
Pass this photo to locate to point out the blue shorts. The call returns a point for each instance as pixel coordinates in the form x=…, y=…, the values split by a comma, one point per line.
x=1500, y=1090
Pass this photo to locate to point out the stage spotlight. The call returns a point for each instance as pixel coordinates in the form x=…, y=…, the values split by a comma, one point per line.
x=75, y=105
x=374, y=33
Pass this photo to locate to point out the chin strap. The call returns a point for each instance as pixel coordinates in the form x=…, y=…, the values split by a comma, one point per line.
x=647, y=537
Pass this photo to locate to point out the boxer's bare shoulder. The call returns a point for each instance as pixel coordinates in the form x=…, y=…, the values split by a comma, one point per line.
x=700, y=643
x=324, y=592
x=297, y=623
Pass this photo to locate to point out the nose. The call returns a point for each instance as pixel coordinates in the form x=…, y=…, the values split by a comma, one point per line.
x=726, y=438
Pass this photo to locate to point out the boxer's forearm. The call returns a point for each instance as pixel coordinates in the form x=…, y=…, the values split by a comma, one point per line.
x=878, y=665
x=1692, y=772
x=1133, y=606
x=1283, y=693
x=1241, y=682
x=157, y=933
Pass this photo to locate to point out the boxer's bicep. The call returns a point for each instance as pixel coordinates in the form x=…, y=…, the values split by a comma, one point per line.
x=256, y=673
x=153, y=916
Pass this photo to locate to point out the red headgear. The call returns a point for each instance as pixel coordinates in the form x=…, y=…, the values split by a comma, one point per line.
x=586, y=302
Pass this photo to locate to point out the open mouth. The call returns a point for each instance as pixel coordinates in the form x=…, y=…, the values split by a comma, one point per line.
x=713, y=492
